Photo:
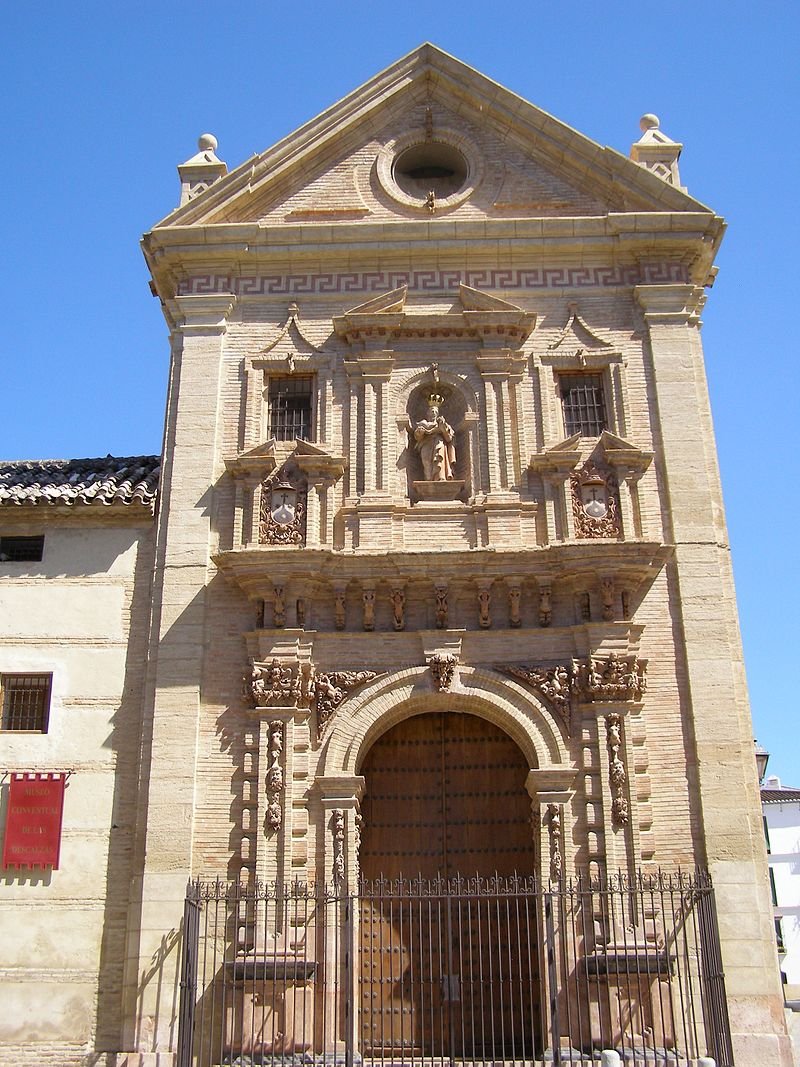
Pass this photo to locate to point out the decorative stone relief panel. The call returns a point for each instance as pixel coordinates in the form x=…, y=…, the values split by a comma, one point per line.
x=283, y=511
x=613, y=678
x=617, y=774
x=595, y=501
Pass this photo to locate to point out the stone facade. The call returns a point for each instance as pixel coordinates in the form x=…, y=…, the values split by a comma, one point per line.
x=416, y=281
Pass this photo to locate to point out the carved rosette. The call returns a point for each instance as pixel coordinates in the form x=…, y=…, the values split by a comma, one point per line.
x=554, y=832
x=617, y=774
x=275, y=776
x=330, y=689
x=273, y=684
x=554, y=683
x=595, y=502
x=611, y=679
x=442, y=666
x=337, y=828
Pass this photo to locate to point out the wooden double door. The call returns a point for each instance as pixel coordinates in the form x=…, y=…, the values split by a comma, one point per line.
x=449, y=959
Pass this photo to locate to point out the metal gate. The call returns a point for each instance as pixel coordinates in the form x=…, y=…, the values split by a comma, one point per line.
x=460, y=970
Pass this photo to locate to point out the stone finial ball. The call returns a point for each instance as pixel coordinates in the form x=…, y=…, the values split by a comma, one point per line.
x=207, y=142
x=649, y=122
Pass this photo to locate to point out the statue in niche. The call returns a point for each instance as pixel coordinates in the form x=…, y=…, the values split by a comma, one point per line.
x=435, y=442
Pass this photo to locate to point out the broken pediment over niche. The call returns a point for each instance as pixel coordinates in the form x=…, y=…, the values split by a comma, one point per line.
x=477, y=315
x=429, y=118
x=313, y=460
x=293, y=341
x=579, y=345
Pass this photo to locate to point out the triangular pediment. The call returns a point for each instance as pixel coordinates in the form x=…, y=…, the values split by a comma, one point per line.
x=478, y=315
x=325, y=171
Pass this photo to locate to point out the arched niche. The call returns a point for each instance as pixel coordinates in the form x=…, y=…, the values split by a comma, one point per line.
x=459, y=409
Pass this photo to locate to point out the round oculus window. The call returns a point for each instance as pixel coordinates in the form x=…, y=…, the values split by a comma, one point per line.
x=410, y=169
x=430, y=166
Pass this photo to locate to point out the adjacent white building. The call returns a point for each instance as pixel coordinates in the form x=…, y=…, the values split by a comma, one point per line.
x=781, y=807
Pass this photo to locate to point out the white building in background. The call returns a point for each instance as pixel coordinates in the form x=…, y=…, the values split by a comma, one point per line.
x=781, y=807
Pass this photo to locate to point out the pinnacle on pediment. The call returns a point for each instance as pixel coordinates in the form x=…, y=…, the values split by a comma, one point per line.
x=202, y=170
x=656, y=152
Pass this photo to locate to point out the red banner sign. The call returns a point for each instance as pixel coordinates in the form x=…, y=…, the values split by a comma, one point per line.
x=33, y=825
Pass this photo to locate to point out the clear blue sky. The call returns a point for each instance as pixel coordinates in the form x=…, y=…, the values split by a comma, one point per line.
x=102, y=101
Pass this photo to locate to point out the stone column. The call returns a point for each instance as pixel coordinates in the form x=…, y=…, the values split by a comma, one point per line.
x=721, y=767
x=175, y=669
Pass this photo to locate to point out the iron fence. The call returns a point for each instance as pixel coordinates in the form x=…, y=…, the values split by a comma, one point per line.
x=469, y=970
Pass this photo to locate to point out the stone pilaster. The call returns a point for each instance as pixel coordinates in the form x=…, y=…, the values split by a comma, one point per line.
x=176, y=660
x=716, y=701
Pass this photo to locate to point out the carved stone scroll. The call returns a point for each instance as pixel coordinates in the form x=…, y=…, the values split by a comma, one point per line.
x=554, y=683
x=617, y=774
x=614, y=678
x=275, y=776
x=271, y=684
x=554, y=833
x=443, y=665
x=337, y=827
x=330, y=689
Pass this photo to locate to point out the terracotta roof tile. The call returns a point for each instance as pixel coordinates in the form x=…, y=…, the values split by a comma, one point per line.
x=111, y=480
x=779, y=795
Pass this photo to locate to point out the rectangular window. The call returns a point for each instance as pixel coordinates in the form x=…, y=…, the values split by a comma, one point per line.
x=290, y=406
x=584, y=404
x=26, y=701
x=16, y=549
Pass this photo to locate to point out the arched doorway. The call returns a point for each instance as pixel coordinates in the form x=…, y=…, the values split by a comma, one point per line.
x=449, y=953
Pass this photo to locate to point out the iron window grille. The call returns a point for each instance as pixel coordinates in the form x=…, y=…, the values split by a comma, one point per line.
x=290, y=408
x=19, y=549
x=583, y=400
x=26, y=702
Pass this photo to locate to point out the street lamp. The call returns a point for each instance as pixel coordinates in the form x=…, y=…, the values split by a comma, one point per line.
x=762, y=759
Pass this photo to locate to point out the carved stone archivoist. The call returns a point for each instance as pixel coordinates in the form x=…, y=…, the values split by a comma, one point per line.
x=554, y=683
x=330, y=689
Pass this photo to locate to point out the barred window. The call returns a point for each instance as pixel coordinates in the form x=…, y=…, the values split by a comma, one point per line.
x=15, y=549
x=26, y=701
x=584, y=404
x=290, y=407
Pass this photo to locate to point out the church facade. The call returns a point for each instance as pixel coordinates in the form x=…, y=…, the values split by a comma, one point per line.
x=437, y=589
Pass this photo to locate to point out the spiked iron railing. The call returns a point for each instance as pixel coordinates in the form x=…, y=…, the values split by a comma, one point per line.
x=468, y=969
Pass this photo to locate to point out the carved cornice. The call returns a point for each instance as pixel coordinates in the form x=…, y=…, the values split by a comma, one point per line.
x=254, y=567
